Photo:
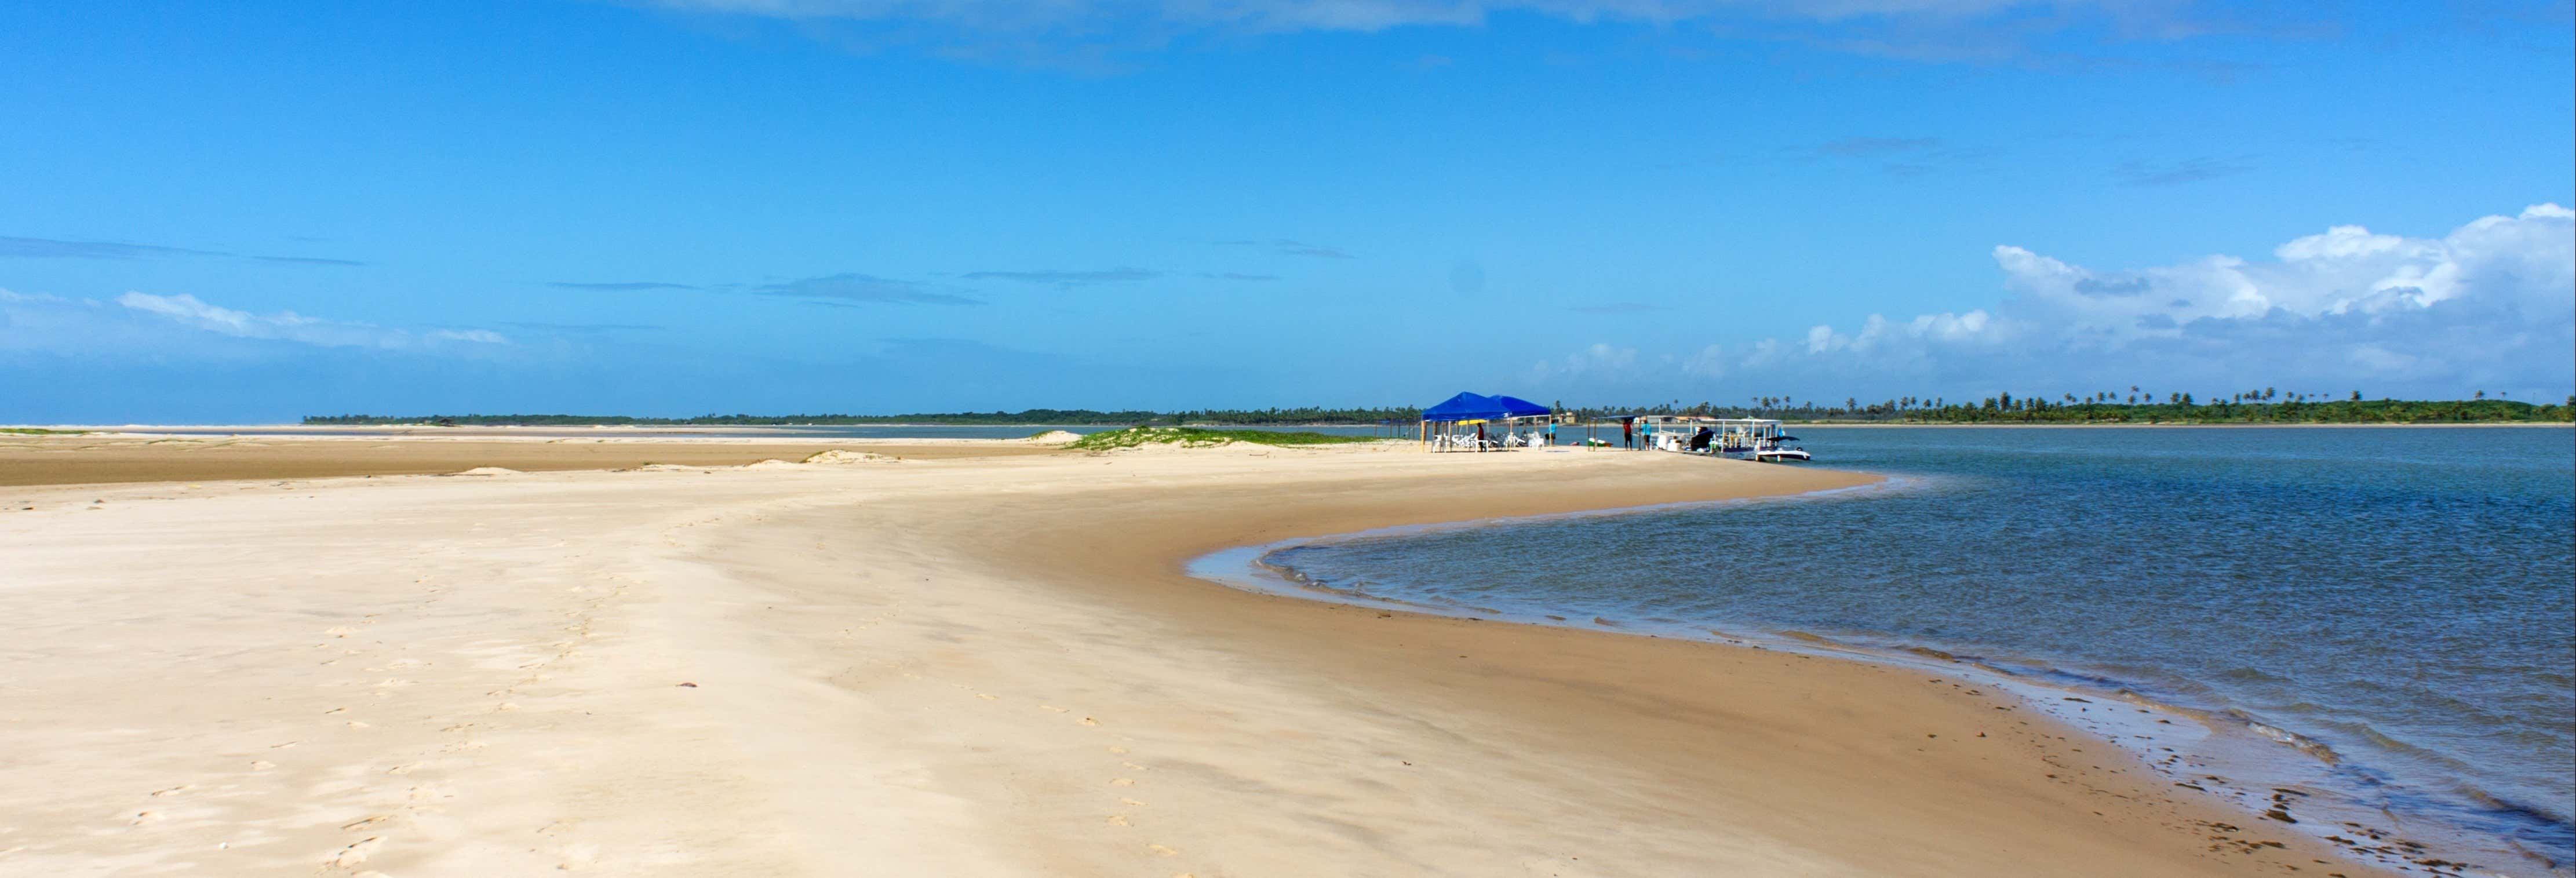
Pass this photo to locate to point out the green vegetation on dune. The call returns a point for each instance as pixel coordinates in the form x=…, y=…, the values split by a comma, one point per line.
x=39, y=431
x=1193, y=437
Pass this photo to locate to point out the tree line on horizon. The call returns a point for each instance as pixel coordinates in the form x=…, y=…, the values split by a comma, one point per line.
x=2136, y=406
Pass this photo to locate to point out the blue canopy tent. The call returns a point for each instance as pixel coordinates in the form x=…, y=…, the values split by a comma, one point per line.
x=1472, y=408
x=1465, y=407
x=1516, y=407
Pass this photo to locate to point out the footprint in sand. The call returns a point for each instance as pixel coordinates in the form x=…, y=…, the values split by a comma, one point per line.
x=1118, y=820
x=261, y=765
x=1164, y=851
x=356, y=853
x=1119, y=750
x=365, y=822
x=1089, y=721
x=1122, y=782
x=1051, y=707
x=174, y=790
x=1127, y=801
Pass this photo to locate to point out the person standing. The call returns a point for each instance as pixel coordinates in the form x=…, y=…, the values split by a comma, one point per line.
x=1628, y=433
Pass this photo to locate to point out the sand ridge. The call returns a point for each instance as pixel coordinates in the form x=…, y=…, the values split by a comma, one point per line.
x=986, y=665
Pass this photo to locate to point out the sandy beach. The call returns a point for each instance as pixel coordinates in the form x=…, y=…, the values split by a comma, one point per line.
x=277, y=655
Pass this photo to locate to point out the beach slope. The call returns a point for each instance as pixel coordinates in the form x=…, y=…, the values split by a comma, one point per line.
x=975, y=665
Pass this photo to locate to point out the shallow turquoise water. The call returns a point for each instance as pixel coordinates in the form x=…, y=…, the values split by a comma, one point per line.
x=2404, y=597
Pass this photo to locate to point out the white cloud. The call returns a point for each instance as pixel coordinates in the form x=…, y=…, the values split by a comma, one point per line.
x=137, y=323
x=1821, y=340
x=2521, y=262
x=478, y=336
x=188, y=310
x=1709, y=362
x=2490, y=305
x=1597, y=360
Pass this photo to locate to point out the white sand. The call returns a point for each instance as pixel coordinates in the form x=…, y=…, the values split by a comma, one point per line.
x=952, y=667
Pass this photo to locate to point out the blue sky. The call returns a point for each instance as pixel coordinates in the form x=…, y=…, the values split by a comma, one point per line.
x=251, y=212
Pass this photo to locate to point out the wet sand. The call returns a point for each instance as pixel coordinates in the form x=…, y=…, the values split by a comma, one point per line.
x=984, y=665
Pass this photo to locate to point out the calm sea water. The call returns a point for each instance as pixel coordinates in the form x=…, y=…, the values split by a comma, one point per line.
x=2404, y=597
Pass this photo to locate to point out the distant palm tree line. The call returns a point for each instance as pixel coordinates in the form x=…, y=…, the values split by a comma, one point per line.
x=2136, y=405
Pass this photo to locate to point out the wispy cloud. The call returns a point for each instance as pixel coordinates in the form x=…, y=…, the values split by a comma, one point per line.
x=1895, y=156
x=1870, y=147
x=579, y=328
x=1238, y=276
x=51, y=248
x=1091, y=34
x=48, y=248
x=1288, y=247
x=1061, y=277
x=192, y=312
x=1619, y=308
x=852, y=287
x=308, y=260
x=631, y=286
x=1317, y=251
x=2191, y=170
x=847, y=289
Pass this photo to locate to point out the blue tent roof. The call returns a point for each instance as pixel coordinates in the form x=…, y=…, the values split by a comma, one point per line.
x=1516, y=407
x=1465, y=407
x=1478, y=407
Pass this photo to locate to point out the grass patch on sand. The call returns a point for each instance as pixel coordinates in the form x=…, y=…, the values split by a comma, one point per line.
x=1194, y=437
x=39, y=431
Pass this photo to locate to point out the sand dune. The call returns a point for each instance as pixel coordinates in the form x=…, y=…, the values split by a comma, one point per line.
x=977, y=665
